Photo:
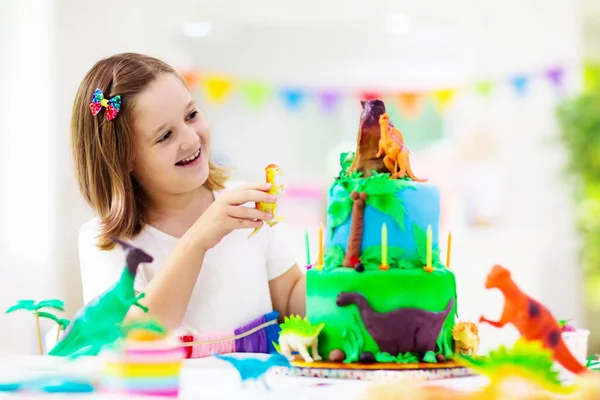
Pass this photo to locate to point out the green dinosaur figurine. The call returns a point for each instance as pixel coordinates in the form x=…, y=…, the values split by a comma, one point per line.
x=98, y=324
x=298, y=334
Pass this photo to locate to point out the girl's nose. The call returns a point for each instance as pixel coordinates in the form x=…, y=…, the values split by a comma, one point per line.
x=190, y=140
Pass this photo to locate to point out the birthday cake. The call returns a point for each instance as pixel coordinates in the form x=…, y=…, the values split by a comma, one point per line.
x=379, y=292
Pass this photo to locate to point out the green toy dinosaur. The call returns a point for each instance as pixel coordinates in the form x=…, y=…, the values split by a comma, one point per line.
x=298, y=334
x=98, y=324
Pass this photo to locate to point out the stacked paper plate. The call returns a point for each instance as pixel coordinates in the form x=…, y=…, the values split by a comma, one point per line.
x=144, y=368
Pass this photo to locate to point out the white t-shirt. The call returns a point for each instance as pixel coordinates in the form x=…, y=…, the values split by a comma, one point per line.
x=233, y=285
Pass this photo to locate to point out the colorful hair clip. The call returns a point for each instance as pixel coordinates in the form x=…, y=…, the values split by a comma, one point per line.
x=112, y=106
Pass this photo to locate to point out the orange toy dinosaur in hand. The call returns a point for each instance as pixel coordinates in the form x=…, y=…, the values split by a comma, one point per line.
x=533, y=321
x=391, y=143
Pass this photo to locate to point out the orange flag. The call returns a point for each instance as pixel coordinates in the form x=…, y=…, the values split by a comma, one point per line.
x=191, y=79
x=411, y=104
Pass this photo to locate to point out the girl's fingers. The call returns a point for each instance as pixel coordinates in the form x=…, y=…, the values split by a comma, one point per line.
x=246, y=223
x=242, y=212
x=239, y=197
x=258, y=186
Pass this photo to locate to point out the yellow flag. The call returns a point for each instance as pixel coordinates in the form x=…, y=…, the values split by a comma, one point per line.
x=443, y=98
x=217, y=88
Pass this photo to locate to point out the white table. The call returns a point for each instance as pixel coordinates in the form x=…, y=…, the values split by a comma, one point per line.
x=208, y=378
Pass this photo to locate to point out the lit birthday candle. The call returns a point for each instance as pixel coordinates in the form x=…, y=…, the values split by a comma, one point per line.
x=307, y=246
x=384, y=250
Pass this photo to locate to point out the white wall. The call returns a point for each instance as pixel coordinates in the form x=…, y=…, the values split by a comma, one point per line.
x=533, y=238
x=29, y=190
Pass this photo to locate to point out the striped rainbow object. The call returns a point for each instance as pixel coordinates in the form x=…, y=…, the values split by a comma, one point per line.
x=144, y=368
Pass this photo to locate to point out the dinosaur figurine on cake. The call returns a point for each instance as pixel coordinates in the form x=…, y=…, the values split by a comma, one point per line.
x=402, y=330
x=272, y=171
x=376, y=137
x=98, y=324
x=391, y=144
x=533, y=321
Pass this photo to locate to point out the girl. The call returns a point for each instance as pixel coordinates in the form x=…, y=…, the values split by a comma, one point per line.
x=142, y=158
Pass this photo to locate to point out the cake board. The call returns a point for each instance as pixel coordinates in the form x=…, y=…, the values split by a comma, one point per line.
x=375, y=371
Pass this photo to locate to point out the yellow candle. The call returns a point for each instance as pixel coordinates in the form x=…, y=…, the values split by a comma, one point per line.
x=429, y=245
x=320, y=258
x=448, y=249
x=384, y=245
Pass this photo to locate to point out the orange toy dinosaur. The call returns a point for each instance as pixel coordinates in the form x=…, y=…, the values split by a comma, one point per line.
x=391, y=143
x=533, y=321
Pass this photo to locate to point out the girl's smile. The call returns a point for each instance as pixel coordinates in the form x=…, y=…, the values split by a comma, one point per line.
x=192, y=160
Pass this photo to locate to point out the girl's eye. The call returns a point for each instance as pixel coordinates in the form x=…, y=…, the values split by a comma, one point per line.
x=192, y=115
x=165, y=137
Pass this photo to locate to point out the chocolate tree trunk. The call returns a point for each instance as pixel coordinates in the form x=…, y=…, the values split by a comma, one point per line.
x=356, y=227
x=367, y=143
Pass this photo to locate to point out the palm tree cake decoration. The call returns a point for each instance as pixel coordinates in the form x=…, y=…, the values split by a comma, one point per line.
x=37, y=309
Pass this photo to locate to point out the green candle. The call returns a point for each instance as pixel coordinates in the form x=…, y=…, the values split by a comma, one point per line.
x=307, y=247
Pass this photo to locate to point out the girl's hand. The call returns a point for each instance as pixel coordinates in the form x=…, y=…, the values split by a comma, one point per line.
x=228, y=213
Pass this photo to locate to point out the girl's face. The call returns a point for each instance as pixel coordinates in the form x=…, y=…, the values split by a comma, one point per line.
x=172, y=139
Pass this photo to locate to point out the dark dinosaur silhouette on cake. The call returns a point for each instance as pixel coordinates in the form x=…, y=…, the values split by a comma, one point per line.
x=405, y=330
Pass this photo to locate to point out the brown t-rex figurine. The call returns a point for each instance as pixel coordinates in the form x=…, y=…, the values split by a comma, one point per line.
x=365, y=161
x=391, y=143
x=533, y=321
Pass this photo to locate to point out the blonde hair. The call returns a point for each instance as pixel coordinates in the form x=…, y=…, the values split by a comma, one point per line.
x=103, y=151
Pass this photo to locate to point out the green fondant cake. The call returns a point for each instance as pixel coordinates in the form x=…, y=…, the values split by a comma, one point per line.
x=383, y=293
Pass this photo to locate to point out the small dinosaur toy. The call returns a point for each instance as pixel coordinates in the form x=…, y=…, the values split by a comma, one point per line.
x=254, y=368
x=533, y=321
x=299, y=334
x=98, y=324
x=272, y=171
x=466, y=338
x=391, y=143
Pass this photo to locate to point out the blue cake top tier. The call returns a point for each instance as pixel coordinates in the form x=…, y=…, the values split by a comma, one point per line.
x=406, y=208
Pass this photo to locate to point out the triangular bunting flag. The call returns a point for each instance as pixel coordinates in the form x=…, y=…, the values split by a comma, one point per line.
x=255, y=94
x=217, y=88
x=443, y=98
x=520, y=83
x=484, y=88
x=293, y=98
x=191, y=79
x=591, y=76
x=329, y=100
x=556, y=75
x=369, y=95
x=411, y=104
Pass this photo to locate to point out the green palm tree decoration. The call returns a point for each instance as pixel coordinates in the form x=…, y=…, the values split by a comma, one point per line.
x=61, y=322
x=31, y=305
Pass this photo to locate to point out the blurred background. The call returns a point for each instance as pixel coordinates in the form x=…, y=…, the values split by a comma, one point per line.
x=497, y=101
